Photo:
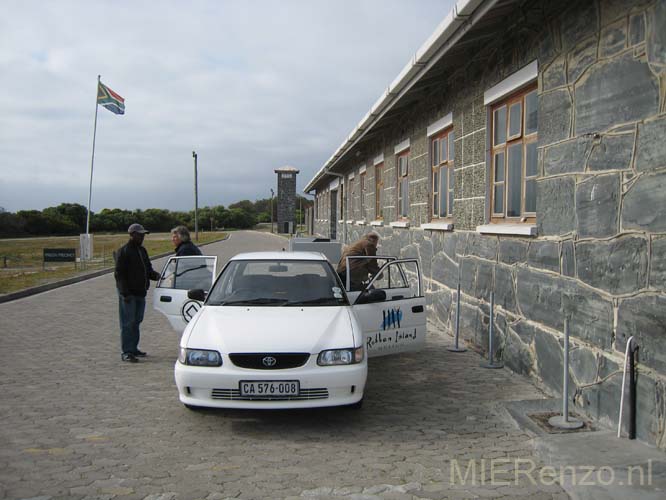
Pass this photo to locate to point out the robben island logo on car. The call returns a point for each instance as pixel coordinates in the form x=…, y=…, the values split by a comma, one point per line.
x=391, y=318
x=390, y=340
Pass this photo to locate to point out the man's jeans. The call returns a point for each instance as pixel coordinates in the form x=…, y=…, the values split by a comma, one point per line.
x=131, y=310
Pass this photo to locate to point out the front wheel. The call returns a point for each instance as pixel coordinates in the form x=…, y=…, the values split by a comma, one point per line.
x=356, y=406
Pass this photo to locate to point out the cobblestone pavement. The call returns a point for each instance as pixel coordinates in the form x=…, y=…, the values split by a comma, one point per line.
x=78, y=423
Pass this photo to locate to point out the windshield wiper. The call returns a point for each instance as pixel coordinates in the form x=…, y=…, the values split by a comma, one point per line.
x=261, y=301
x=320, y=300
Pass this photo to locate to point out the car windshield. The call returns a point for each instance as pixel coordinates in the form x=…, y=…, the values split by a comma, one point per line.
x=277, y=284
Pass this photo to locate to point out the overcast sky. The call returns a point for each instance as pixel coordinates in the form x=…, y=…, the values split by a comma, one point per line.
x=250, y=85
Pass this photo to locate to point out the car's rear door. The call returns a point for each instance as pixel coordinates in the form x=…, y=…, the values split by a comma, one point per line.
x=179, y=275
x=398, y=322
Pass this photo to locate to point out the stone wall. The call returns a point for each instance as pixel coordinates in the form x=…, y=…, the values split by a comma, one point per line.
x=600, y=253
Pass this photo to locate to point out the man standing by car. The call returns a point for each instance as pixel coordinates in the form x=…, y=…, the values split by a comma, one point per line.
x=360, y=269
x=133, y=272
x=180, y=237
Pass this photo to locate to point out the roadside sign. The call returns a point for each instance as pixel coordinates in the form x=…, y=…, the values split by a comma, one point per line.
x=60, y=255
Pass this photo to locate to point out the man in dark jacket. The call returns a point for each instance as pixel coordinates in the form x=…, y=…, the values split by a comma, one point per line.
x=180, y=237
x=133, y=272
x=361, y=270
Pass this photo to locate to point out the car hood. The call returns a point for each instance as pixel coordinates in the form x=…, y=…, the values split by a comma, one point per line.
x=231, y=329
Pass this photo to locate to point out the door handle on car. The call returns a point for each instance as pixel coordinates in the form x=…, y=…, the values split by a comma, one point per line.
x=165, y=298
x=417, y=309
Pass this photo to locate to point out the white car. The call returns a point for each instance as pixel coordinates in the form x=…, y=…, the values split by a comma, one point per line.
x=278, y=330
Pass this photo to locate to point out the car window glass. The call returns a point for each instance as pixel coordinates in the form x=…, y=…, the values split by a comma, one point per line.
x=168, y=275
x=277, y=283
x=361, y=270
x=392, y=277
x=399, y=275
x=192, y=273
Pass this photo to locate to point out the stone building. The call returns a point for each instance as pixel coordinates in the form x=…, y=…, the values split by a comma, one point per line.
x=524, y=147
x=286, y=204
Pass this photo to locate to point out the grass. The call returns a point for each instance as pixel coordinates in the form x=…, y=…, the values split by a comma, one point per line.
x=22, y=266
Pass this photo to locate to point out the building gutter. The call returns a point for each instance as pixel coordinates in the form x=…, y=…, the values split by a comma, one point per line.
x=464, y=15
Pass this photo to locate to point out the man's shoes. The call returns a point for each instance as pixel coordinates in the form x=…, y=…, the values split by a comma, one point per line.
x=128, y=356
x=139, y=354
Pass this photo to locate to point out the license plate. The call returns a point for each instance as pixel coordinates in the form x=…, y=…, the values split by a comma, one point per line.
x=269, y=388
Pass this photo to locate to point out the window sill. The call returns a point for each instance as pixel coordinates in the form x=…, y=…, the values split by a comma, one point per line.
x=404, y=224
x=438, y=226
x=350, y=222
x=361, y=222
x=377, y=223
x=341, y=221
x=508, y=229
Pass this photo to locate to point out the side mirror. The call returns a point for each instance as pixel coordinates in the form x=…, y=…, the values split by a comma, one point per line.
x=371, y=296
x=196, y=294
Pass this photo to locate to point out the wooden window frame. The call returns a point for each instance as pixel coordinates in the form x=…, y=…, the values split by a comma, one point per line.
x=438, y=164
x=362, y=189
x=351, y=192
x=503, y=149
x=379, y=190
x=399, y=179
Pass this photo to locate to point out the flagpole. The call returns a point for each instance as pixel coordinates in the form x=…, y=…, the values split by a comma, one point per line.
x=92, y=161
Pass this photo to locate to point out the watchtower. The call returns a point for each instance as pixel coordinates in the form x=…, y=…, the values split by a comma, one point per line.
x=286, y=205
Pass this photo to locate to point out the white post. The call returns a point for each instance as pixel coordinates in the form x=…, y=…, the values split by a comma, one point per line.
x=563, y=421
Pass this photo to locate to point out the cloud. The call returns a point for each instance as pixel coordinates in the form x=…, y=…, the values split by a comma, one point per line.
x=250, y=86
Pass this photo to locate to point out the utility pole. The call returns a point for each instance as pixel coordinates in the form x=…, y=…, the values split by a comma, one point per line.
x=272, y=194
x=196, y=199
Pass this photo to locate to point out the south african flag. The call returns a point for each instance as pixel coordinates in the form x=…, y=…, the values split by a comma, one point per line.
x=110, y=100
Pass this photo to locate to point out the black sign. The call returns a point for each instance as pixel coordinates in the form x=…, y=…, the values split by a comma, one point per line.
x=60, y=255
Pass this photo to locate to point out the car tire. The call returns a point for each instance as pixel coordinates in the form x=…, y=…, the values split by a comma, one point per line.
x=356, y=406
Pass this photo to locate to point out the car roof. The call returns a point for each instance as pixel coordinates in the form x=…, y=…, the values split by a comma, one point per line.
x=280, y=256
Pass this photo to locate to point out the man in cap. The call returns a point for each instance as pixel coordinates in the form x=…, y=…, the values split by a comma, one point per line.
x=133, y=272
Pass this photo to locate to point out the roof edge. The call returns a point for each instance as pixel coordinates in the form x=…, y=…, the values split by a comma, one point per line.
x=426, y=55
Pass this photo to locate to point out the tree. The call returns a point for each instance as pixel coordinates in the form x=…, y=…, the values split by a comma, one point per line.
x=158, y=219
x=246, y=205
x=70, y=215
x=11, y=225
x=238, y=219
x=263, y=217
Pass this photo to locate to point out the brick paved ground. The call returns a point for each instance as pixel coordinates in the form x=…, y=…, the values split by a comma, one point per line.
x=78, y=423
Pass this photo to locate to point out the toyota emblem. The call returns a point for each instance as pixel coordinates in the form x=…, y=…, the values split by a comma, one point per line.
x=268, y=361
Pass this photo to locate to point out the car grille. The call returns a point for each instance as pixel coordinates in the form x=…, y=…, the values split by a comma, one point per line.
x=261, y=361
x=235, y=395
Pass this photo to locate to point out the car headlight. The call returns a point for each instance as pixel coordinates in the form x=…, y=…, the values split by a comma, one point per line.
x=199, y=357
x=335, y=357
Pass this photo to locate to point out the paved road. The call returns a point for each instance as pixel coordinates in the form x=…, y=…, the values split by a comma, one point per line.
x=76, y=422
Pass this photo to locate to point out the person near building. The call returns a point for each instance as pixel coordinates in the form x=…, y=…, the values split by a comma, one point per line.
x=180, y=237
x=361, y=270
x=133, y=273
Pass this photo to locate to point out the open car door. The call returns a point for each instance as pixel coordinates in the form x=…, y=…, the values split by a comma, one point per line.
x=179, y=275
x=392, y=310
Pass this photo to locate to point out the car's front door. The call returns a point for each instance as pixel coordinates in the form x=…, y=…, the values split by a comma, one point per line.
x=396, y=323
x=179, y=275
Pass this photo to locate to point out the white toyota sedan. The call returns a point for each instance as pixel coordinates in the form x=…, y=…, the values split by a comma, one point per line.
x=278, y=329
